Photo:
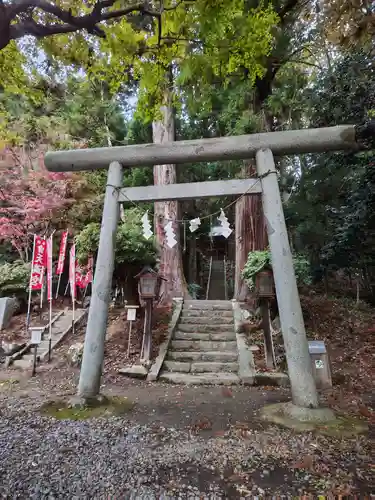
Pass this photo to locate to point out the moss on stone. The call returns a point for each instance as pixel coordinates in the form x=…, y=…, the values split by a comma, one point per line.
x=10, y=382
x=343, y=427
x=339, y=427
x=93, y=408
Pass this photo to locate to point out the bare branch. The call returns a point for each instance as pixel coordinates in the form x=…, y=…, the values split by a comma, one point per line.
x=141, y=8
x=11, y=30
x=174, y=6
x=38, y=30
x=20, y=6
x=306, y=63
x=287, y=8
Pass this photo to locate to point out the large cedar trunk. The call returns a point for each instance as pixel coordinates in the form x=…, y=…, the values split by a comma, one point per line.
x=192, y=271
x=251, y=233
x=251, y=230
x=170, y=258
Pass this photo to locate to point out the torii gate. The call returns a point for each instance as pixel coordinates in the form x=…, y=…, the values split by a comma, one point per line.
x=261, y=146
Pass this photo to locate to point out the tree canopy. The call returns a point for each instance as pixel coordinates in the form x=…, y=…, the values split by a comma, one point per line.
x=88, y=74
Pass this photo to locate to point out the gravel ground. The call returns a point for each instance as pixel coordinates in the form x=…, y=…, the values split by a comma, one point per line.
x=199, y=442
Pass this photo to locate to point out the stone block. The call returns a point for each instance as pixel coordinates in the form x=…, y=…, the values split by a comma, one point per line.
x=177, y=366
x=134, y=371
x=212, y=367
x=24, y=364
x=10, y=348
x=187, y=328
x=190, y=356
x=272, y=378
x=8, y=307
x=75, y=353
x=191, y=336
x=201, y=378
x=195, y=313
x=207, y=320
x=203, y=345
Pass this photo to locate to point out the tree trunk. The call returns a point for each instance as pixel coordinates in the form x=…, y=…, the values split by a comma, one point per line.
x=192, y=271
x=251, y=231
x=251, y=234
x=170, y=258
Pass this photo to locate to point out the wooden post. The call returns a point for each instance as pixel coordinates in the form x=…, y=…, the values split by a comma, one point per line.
x=130, y=336
x=131, y=316
x=41, y=299
x=30, y=286
x=269, y=352
x=147, y=331
x=34, y=360
x=36, y=338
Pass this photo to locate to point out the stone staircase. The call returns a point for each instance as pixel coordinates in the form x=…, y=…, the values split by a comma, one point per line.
x=203, y=349
x=217, y=286
x=60, y=328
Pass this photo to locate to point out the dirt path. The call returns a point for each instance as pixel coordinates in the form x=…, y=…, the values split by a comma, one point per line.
x=212, y=408
x=177, y=441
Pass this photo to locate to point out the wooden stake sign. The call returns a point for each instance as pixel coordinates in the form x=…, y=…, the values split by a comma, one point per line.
x=147, y=332
x=36, y=339
x=131, y=316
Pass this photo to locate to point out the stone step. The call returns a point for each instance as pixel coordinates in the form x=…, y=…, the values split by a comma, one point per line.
x=177, y=366
x=216, y=356
x=186, y=328
x=204, y=336
x=30, y=357
x=60, y=329
x=210, y=305
x=200, y=367
x=211, y=321
x=219, y=378
x=213, y=366
x=207, y=320
x=44, y=345
x=193, y=313
x=203, y=345
x=23, y=363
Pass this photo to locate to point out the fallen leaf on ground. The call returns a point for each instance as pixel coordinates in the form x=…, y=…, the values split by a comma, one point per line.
x=364, y=411
x=226, y=392
x=242, y=425
x=220, y=433
x=203, y=424
x=305, y=463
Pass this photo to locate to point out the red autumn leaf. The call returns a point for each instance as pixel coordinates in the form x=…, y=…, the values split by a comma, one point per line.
x=29, y=199
x=226, y=392
x=220, y=433
x=364, y=411
x=203, y=423
x=305, y=463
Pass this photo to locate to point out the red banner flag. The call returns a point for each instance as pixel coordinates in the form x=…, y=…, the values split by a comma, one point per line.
x=90, y=271
x=80, y=276
x=72, y=271
x=62, y=252
x=49, y=268
x=39, y=263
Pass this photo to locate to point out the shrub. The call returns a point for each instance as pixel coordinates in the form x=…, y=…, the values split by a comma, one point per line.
x=261, y=259
x=194, y=290
x=14, y=279
x=131, y=245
